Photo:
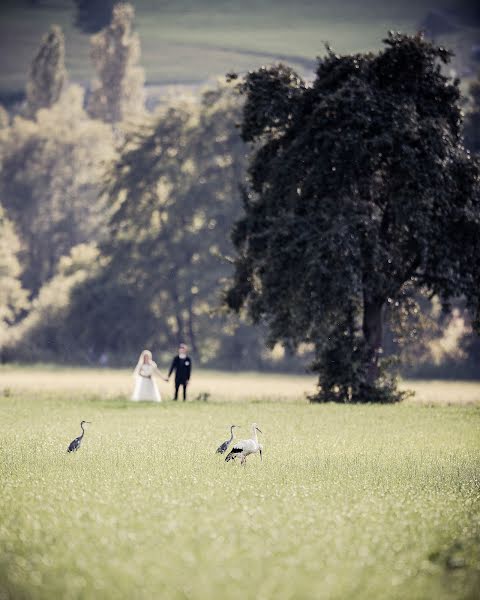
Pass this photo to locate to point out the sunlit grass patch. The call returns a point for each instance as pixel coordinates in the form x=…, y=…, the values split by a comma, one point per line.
x=219, y=386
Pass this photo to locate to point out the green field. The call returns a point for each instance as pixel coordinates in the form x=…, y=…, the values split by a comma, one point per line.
x=349, y=501
x=188, y=41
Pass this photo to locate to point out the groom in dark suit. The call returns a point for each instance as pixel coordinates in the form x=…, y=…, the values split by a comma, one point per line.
x=182, y=365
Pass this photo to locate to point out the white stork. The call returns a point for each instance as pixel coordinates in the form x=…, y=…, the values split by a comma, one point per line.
x=245, y=447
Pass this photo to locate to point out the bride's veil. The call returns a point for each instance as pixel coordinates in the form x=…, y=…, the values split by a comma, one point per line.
x=136, y=371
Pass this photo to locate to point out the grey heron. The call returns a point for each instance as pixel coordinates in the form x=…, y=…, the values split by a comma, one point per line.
x=75, y=444
x=222, y=448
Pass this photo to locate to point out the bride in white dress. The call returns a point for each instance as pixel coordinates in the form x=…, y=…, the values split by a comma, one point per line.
x=145, y=385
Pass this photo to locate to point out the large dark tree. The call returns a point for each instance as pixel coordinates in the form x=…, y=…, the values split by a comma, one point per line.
x=360, y=192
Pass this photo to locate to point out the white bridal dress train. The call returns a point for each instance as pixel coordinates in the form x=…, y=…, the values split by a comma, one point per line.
x=145, y=385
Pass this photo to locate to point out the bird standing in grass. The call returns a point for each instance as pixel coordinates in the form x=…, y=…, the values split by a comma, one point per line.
x=246, y=447
x=222, y=448
x=75, y=445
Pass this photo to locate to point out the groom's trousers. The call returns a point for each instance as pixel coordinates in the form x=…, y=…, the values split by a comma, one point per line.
x=177, y=387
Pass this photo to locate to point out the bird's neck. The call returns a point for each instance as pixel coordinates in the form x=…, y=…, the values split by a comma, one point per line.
x=83, y=430
x=231, y=433
x=254, y=434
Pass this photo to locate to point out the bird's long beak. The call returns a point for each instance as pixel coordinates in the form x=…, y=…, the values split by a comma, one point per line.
x=258, y=429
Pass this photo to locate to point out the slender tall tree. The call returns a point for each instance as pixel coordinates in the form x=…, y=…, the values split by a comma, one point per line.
x=360, y=191
x=118, y=92
x=47, y=72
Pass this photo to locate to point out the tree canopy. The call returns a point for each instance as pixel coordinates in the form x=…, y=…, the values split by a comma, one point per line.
x=50, y=170
x=45, y=330
x=172, y=195
x=118, y=92
x=360, y=193
x=13, y=298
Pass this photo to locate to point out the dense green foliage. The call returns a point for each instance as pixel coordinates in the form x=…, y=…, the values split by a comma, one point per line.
x=361, y=192
x=364, y=502
x=13, y=298
x=50, y=169
x=46, y=331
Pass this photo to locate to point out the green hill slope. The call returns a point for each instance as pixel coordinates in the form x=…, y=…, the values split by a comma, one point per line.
x=188, y=41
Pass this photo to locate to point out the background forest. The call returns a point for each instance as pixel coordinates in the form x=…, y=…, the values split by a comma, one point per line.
x=116, y=209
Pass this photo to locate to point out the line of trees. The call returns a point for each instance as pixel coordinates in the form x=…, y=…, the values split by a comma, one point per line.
x=123, y=216
x=117, y=222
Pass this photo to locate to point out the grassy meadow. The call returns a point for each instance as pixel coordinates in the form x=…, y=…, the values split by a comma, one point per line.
x=349, y=501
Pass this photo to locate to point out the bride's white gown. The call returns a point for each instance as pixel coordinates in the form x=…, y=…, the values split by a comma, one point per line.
x=145, y=385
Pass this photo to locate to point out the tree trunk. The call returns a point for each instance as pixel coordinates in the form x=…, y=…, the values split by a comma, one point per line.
x=373, y=334
x=191, y=329
x=178, y=313
x=180, y=328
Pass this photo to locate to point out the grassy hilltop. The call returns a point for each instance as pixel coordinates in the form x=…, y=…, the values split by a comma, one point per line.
x=188, y=41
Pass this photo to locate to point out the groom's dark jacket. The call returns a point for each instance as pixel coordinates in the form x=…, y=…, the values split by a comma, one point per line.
x=182, y=368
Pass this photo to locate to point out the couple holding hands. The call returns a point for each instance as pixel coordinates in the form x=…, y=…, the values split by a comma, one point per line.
x=146, y=386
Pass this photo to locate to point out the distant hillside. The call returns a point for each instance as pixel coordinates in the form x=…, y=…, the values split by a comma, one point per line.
x=187, y=41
